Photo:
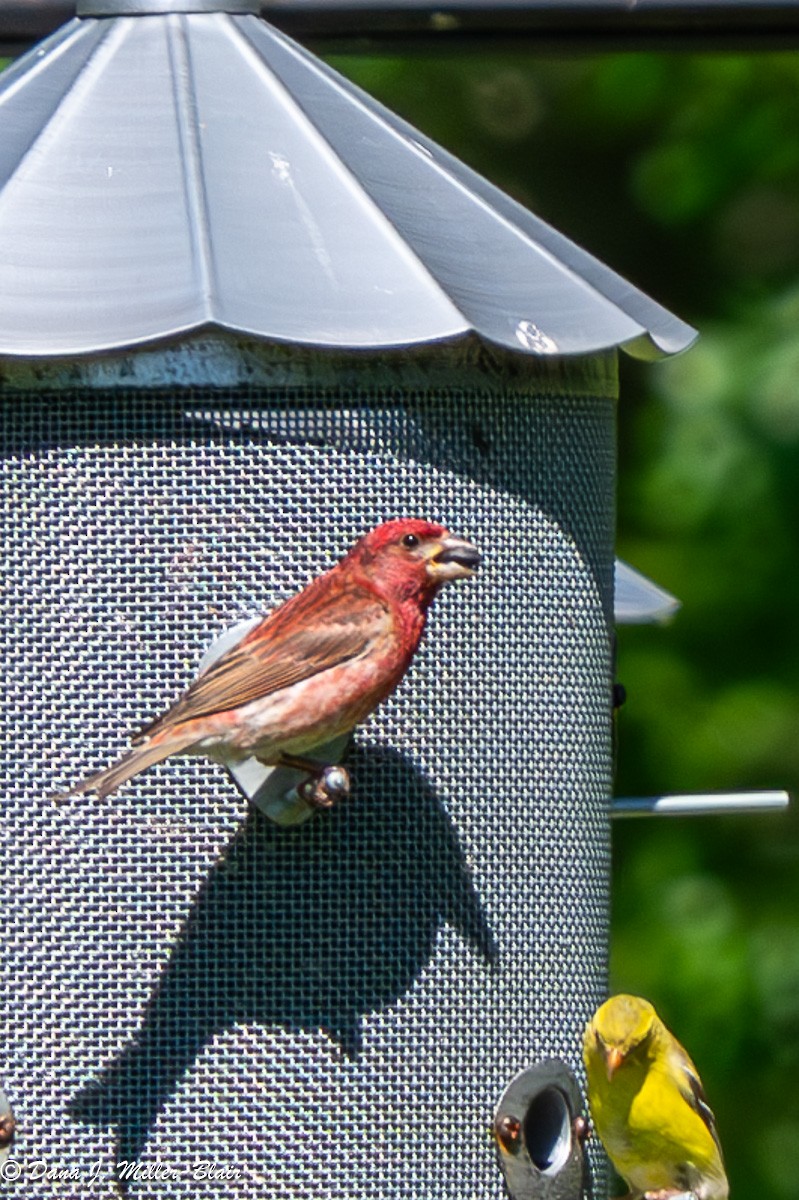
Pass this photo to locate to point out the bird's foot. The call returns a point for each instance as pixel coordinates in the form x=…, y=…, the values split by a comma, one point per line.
x=670, y=1194
x=324, y=785
x=324, y=788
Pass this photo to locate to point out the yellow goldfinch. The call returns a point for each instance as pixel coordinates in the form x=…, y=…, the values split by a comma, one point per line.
x=648, y=1104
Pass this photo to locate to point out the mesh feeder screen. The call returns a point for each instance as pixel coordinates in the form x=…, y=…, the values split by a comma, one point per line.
x=331, y=1010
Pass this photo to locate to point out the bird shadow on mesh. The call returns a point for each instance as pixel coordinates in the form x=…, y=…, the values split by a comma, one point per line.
x=307, y=928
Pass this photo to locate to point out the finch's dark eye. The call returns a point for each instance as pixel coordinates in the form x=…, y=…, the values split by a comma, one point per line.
x=410, y=540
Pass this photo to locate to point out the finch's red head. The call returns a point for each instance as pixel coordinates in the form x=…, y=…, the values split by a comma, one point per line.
x=412, y=556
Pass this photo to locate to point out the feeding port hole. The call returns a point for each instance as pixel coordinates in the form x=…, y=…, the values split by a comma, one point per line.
x=547, y=1130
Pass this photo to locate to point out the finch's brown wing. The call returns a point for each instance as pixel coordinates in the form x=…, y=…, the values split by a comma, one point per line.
x=320, y=628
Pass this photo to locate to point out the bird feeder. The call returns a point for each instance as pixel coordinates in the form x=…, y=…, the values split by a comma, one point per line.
x=247, y=313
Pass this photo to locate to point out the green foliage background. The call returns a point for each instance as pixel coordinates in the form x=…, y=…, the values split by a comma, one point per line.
x=682, y=172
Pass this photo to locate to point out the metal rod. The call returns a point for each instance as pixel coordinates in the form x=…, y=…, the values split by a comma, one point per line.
x=529, y=25
x=712, y=803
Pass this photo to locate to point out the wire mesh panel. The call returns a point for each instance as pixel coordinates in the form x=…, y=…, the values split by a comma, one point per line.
x=236, y=1009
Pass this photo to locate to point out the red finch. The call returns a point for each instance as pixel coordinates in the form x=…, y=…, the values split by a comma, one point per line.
x=315, y=666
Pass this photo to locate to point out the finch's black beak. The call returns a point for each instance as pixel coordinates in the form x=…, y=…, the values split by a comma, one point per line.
x=462, y=553
x=453, y=558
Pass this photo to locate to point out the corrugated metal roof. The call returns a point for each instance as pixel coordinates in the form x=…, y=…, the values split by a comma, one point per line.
x=639, y=601
x=169, y=172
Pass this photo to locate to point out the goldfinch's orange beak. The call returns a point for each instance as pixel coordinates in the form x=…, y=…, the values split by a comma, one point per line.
x=613, y=1060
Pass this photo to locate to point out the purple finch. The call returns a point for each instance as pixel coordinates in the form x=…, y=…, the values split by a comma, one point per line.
x=316, y=666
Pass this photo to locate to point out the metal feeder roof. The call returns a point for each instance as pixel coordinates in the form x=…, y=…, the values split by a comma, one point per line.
x=167, y=171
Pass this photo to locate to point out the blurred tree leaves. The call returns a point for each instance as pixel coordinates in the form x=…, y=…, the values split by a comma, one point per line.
x=682, y=172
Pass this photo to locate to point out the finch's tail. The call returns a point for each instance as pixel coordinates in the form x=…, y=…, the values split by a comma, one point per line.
x=136, y=760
